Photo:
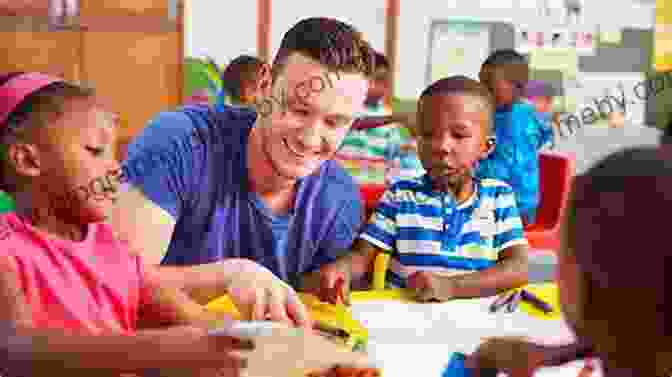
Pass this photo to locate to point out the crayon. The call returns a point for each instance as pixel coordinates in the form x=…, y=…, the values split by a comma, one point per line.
x=537, y=302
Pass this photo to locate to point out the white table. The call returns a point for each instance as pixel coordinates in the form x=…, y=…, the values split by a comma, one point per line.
x=417, y=340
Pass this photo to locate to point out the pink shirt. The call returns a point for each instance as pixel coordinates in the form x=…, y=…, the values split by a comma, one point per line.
x=92, y=286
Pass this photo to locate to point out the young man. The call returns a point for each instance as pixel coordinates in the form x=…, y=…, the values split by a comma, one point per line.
x=262, y=188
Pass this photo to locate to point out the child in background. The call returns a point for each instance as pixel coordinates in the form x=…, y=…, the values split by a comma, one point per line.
x=6, y=202
x=450, y=234
x=245, y=81
x=603, y=227
x=519, y=132
x=381, y=154
x=63, y=269
x=540, y=95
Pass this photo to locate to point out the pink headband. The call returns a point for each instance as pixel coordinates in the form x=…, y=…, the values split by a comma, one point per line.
x=18, y=88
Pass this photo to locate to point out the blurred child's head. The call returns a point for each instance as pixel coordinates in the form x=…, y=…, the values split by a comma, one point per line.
x=613, y=266
x=455, y=125
x=246, y=79
x=540, y=95
x=57, y=141
x=505, y=73
x=380, y=82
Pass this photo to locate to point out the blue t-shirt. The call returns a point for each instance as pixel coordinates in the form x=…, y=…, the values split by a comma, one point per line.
x=195, y=168
x=520, y=135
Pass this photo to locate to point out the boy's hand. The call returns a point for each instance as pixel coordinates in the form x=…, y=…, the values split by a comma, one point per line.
x=515, y=356
x=331, y=283
x=428, y=286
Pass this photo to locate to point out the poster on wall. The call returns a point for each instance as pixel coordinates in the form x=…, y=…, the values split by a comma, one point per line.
x=457, y=48
x=529, y=39
x=583, y=40
x=663, y=36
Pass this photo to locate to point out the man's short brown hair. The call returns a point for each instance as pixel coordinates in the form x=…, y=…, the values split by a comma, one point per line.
x=335, y=44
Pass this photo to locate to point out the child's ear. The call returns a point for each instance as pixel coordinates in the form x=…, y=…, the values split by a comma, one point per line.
x=24, y=158
x=490, y=143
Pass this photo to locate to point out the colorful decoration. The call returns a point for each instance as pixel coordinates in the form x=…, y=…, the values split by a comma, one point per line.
x=201, y=74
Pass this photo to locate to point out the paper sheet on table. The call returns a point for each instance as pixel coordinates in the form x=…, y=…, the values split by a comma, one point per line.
x=432, y=332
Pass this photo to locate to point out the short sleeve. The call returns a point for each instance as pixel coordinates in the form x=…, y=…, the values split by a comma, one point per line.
x=381, y=230
x=162, y=161
x=539, y=131
x=339, y=239
x=508, y=225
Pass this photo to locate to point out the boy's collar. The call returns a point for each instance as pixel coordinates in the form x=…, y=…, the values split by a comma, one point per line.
x=428, y=184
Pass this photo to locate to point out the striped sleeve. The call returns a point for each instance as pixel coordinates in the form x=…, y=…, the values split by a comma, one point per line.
x=381, y=230
x=509, y=227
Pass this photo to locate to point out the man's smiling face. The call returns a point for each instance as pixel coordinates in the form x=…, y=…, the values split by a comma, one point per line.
x=320, y=107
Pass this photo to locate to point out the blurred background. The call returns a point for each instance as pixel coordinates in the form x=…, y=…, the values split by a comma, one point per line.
x=145, y=56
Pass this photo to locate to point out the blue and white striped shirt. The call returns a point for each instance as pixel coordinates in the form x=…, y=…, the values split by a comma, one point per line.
x=427, y=230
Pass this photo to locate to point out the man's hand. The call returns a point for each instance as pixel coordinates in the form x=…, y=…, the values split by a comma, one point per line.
x=428, y=286
x=259, y=294
x=515, y=356
x=331, y=283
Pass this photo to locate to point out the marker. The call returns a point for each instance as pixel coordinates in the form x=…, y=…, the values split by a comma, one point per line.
x=537, y=302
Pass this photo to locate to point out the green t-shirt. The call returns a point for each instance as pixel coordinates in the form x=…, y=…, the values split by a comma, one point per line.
x=6, y=202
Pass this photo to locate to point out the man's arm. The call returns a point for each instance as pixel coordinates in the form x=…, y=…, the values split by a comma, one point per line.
x=169, y=305
x=144, y=225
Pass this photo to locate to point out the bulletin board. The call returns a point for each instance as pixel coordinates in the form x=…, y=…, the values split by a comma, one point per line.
x=456, y=48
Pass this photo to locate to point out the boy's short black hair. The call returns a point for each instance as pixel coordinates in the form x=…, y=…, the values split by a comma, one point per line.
x=504, y=57
x=461, y=85
x=242, y=68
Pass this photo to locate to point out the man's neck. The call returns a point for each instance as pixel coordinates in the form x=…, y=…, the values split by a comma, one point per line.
x=262, y=176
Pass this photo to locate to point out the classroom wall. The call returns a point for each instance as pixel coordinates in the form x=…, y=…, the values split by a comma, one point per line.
x=366, y=15
x=220, y=29
x=414, y=26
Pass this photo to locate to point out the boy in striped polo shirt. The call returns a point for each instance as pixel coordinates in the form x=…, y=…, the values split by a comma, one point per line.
x=450, y=234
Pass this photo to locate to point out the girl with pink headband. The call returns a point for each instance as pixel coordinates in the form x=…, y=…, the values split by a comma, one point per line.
x=64, y=271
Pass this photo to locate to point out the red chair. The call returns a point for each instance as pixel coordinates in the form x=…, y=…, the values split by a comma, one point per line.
x=556, y=173
x=371, y=194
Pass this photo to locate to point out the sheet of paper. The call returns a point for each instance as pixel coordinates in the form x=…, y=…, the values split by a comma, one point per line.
x=610, y=35
x=565, y=60
x=432, y=332
x=458, y=49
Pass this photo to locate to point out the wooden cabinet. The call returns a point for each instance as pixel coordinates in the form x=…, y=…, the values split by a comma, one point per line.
x=56, y=53
x=129, y=50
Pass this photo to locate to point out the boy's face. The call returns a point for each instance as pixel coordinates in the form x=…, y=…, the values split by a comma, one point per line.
x=78, y=161
x=452, y=138
x=313, y=112
x=505, y=82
